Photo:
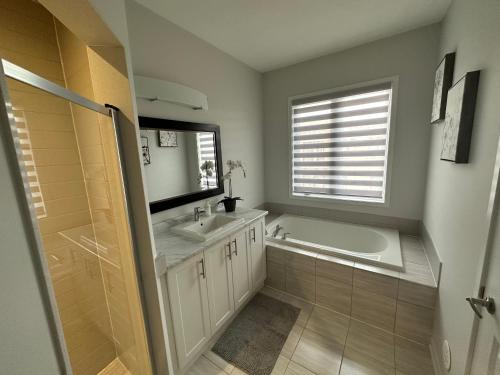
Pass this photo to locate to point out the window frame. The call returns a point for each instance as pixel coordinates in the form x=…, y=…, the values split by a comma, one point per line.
x=394, y=81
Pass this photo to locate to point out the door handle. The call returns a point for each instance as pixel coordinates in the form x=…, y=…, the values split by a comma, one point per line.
x=235, y=247
x=252, y=234
x=230, y=254
x=202, y=261
x=488, y=303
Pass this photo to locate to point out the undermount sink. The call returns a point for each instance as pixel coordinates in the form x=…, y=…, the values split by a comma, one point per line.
x=207, y=227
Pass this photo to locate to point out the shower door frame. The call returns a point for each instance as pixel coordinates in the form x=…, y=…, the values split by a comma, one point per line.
x=7, y=131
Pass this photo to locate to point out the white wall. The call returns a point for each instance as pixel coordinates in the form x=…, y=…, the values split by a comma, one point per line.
x=167, y=175
x=457, y=195
x=162, y=50
x=412, y=56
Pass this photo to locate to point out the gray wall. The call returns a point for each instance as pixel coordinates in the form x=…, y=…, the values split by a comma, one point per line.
x=162, y=50
x=411, y=56
x=457, y=195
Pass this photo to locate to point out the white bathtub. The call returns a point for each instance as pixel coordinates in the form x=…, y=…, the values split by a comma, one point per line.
x=365, y=244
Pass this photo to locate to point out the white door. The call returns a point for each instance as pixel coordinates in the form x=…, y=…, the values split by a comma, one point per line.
x=187, y=288
x=257, y=253
x=486, y=352
x=220, y=283
x=242, y=282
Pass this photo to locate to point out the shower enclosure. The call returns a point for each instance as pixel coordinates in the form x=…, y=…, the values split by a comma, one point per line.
x=68, y=151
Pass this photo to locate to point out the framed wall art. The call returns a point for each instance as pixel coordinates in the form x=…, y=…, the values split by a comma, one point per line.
x=442, y=83
x=167, y=138
x=460, y=108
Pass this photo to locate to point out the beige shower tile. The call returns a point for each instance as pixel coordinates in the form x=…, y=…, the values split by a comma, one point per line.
x=318, y=354
x=59, y=190
x=337, y=269
x=291, y=341
x=334, y=295
x=375, y=283
x=56, y=157
x=417, y=294
x=39, y=102
x=296, y=369
x=413, y=358
x=374, y=309
x=52, y=140
x=59, y=173
x=300, y=284
x=371, y=342
x=414, y=322
x=357, y=363
x=60, y=223
x=329, y=324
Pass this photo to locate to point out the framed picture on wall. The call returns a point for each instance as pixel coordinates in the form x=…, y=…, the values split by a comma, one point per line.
x=167, y=138
x=442, y=83
x=146, y=156
x=460, y=108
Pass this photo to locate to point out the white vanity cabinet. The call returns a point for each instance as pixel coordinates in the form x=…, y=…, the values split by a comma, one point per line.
x=220, y=283
x=257, y=251
x=205, y=290
x=241, y=266
x=187, y=287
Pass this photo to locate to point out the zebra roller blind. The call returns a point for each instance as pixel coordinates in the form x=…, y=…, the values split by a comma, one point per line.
x=340, y=143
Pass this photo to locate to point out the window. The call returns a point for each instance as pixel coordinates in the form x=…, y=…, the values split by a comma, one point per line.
x=206, y=153
x=340, y=143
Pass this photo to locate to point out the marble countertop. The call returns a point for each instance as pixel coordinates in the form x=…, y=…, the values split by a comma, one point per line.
x=173, y=249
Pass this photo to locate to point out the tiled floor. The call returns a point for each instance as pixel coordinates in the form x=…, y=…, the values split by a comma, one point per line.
x=324, y=342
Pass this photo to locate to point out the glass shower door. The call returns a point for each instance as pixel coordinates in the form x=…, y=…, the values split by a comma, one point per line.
x=69, y=159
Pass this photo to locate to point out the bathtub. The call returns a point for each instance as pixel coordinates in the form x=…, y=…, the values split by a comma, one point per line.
x=360, y=243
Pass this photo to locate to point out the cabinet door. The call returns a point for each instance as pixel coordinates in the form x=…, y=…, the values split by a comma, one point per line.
x=242, y=282
x=257, y=253
x=220, y=283
x=187, y=288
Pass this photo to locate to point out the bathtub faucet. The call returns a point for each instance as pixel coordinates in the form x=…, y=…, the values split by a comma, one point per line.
x=277, y=230
x=285, y=235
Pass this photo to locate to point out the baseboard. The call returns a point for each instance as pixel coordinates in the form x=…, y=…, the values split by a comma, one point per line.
x=432, y=253
x=436, y=358
x=407, y=226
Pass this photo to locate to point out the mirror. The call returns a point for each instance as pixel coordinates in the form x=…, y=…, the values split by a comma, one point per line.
x=181, y=161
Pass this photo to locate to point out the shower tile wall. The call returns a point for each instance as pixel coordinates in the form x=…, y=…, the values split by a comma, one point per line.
x=77, y=189
x=96, y=141
x=28, y=38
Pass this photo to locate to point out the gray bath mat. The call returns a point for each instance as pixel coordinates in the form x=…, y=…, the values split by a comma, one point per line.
x=253, y=341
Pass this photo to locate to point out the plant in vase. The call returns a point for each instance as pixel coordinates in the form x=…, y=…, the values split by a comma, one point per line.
x=230, y=201
x=207, y=169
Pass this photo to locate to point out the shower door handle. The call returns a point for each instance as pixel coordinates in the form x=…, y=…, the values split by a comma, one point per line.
x=488, y=303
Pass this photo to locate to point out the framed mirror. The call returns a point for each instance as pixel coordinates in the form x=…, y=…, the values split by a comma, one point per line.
x=182, y=161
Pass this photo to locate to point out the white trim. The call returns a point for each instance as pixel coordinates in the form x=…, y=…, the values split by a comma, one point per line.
x=436, y=357
x=391, y=128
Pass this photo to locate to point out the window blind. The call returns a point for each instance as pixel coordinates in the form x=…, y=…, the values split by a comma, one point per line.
x=206, y=152
x=340, y=143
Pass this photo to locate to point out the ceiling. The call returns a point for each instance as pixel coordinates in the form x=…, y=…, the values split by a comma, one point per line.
x=269, y=34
